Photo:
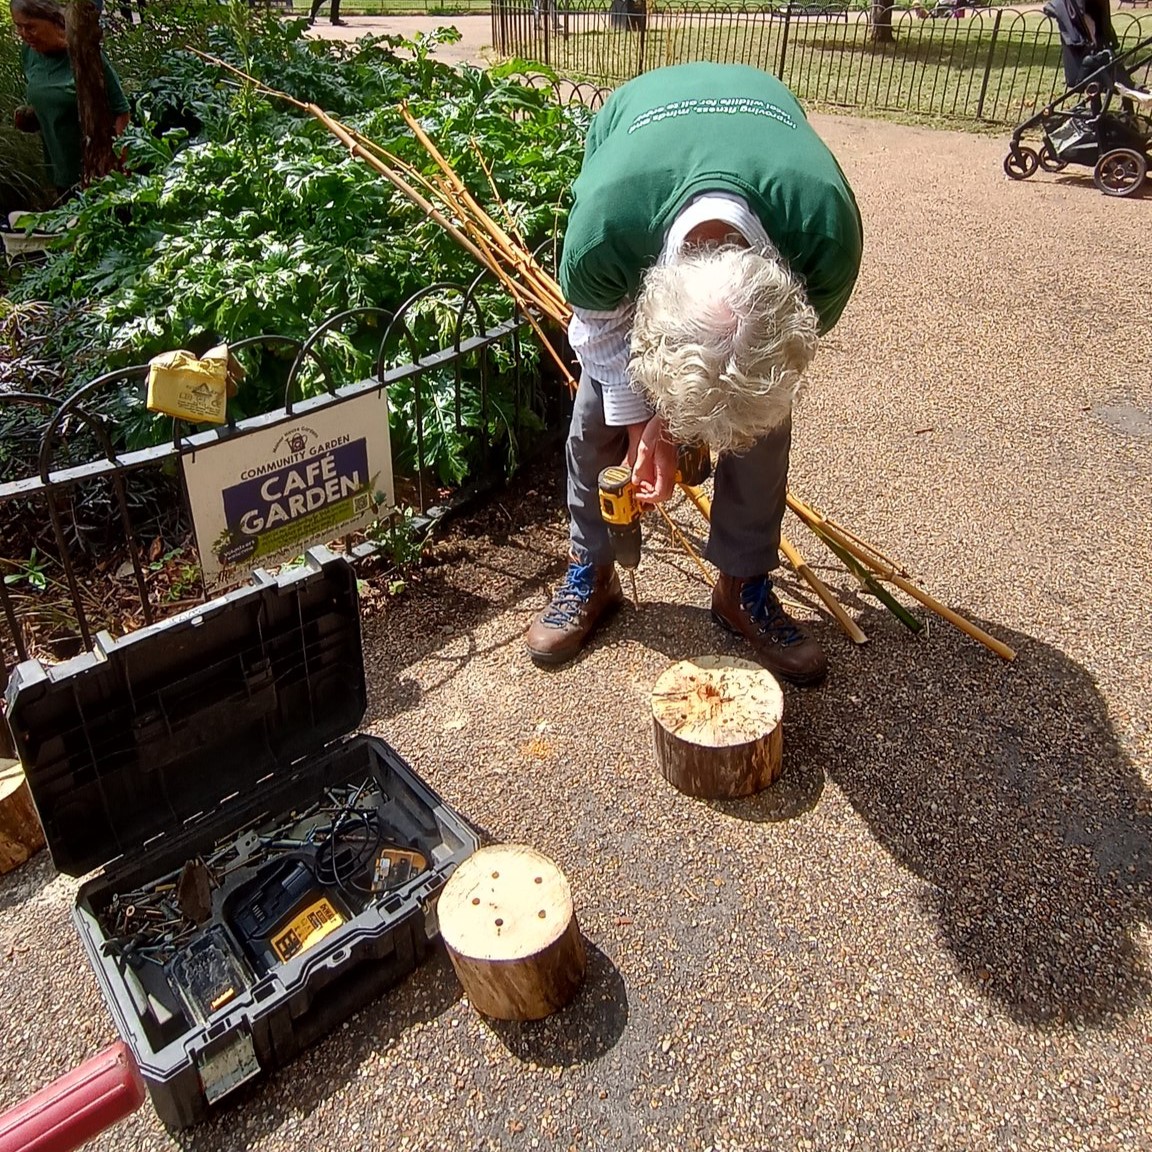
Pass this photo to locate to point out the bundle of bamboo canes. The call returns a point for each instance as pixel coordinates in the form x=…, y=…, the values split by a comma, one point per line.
x=445, y=199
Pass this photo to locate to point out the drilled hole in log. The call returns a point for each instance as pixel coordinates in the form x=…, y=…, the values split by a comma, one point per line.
x=533, y=962
x=717, y=727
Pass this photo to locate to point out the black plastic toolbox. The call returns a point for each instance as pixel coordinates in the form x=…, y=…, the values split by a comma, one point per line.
x=173, y=760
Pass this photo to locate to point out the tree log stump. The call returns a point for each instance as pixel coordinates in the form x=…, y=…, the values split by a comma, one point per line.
x=507, y=919
x=718, y=727
x=20, y=833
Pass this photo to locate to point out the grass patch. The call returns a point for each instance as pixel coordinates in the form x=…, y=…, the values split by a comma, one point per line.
x=999, y=67
x=405, y=8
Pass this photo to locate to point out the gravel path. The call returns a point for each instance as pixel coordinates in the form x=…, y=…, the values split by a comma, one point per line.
x=933, y=932
x=472, y=47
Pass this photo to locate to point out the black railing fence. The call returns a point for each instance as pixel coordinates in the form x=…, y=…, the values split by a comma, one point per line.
x=93, y=537
x=947, y=61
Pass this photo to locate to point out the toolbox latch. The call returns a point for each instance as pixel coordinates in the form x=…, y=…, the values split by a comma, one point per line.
x=432, y=916
x=224, y=1069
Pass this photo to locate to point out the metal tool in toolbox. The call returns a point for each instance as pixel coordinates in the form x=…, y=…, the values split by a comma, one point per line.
x=265, y=869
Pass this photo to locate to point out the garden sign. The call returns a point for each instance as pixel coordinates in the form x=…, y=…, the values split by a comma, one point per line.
x=263, y=497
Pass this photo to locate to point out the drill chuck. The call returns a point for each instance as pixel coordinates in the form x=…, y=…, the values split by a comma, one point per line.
x=621, y=514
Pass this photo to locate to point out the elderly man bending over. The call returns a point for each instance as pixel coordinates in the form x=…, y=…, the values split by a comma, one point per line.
x=713, y=238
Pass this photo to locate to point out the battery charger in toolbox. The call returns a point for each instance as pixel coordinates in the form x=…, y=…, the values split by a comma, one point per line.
x=265, y=870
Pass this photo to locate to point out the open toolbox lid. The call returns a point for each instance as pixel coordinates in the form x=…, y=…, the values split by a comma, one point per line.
x=151, y=731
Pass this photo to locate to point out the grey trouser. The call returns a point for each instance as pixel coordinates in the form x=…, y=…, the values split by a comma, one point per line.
x=747, y=500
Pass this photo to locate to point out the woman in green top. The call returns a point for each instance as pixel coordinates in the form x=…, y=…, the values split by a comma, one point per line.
x=51, y=92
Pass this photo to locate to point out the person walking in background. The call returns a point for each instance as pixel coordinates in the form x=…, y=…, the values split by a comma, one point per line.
x=50, y=91
x=334, y=13
x=1085, y=28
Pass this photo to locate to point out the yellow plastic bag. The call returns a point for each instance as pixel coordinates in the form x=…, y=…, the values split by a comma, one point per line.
x=193, y=388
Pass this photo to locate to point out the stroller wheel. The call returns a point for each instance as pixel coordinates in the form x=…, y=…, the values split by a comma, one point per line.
x=1120, y=172
x=1049, y=161
x=1020, y=163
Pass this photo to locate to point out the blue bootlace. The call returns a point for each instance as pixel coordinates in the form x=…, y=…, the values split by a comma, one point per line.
x=759, y=601
x=571, y=596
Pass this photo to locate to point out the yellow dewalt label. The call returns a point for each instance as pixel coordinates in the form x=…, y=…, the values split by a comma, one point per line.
x=310, y=927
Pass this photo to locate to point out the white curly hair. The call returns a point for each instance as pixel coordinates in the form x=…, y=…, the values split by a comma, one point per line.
x=720, y=339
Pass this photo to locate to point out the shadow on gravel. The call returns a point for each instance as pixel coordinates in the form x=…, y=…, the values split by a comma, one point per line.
x=797, y=791
x=1005, y=788
x=580, y=1033
x=510, y=550
x=27, y=881
x=321, y=1072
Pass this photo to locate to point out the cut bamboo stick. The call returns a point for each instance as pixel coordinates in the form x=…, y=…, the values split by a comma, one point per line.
x=905, y=585
x=684, y=543
x=808, y=513
x=482, y=253
x=851, y=629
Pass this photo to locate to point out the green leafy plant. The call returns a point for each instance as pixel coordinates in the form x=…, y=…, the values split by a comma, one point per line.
x=240, y=217
x=30, y=572
x=398, y=539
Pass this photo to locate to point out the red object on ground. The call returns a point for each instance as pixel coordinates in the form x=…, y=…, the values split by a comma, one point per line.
x=77, y=1107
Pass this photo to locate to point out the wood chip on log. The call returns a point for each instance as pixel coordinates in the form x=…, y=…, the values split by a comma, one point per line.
x=20, y=833
x=718, y=727
x=507, y=920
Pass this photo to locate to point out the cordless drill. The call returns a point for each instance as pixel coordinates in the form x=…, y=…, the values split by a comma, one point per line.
x=621, y=512
x=621, y=515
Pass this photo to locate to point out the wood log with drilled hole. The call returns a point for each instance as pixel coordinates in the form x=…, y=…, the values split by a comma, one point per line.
x=507, y=919
x=20, y=833
x=718, y=727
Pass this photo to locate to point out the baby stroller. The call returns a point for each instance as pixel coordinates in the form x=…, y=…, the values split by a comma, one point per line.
x=1102, y=122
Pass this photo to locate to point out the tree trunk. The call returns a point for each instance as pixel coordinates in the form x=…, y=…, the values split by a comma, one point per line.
x=20, y=833
x=717, y=725
x=84, y=35
x=881, y=21
x=507, y=920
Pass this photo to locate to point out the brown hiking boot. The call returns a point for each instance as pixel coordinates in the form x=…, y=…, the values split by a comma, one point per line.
x=588, y=595
x=750, y=609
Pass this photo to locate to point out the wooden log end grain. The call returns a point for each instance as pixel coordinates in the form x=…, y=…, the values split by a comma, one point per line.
x=507, y=920
x=718, y=727
x=20, y=833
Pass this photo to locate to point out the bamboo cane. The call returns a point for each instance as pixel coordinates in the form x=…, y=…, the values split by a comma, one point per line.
x=886, y=573
x=520, y=259
x=869, y=581
x=684, y=543
x=854, y=632
x=513, y=231
x=807, y=513
x=348, y=138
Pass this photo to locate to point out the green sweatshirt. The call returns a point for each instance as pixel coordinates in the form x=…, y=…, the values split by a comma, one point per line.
x=674, y=133
x=51, y=91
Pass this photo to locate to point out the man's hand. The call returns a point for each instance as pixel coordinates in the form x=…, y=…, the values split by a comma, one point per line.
x=25, y=119
x=653, y=459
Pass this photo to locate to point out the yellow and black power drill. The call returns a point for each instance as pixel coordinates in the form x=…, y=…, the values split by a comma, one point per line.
x=621, y=512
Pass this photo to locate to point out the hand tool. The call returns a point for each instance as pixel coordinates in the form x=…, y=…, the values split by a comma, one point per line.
x=621, y=514
x=75, y=1108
